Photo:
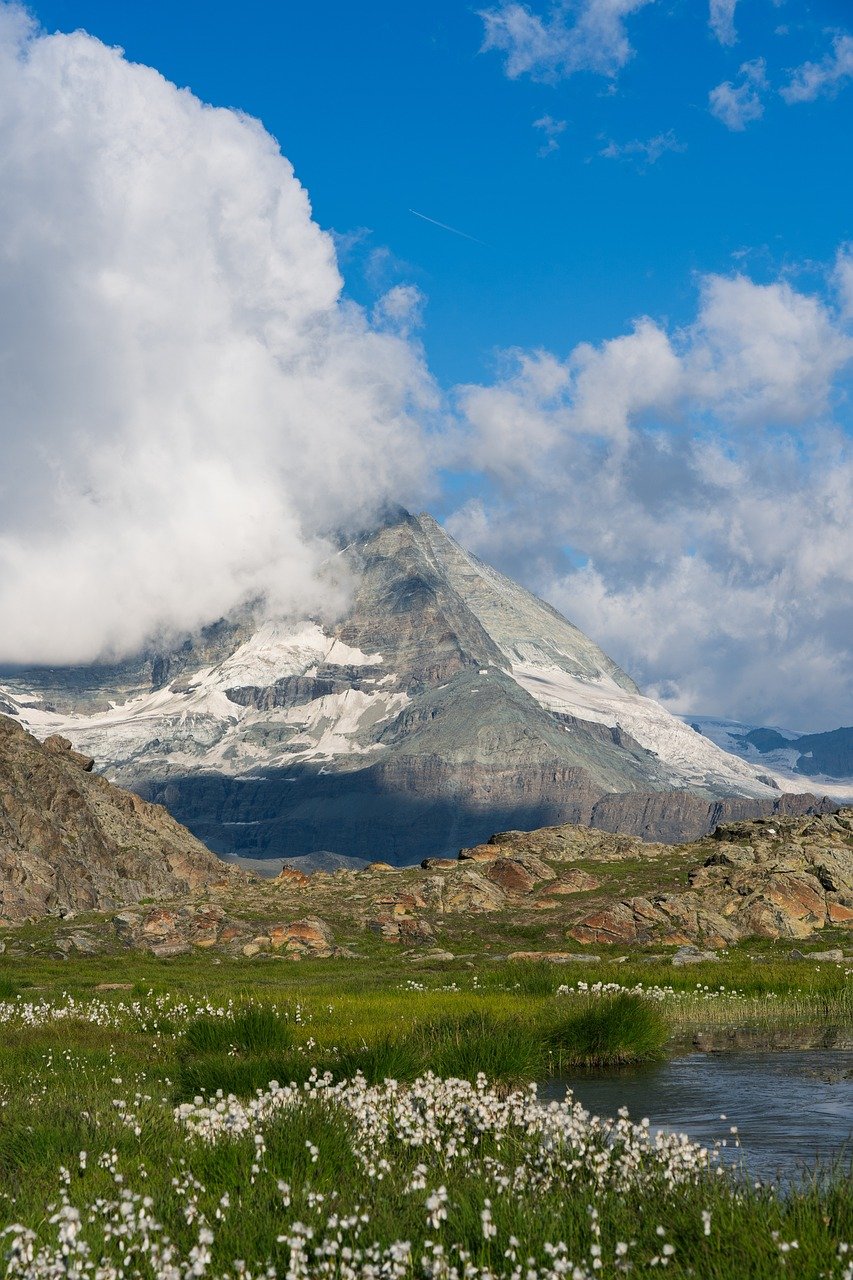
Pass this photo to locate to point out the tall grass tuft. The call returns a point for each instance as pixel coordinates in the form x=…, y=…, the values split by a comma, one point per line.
x=531, y=978
x=388, y=1058
x=252, y=1030
x=464, y=1047
x=609, y=1032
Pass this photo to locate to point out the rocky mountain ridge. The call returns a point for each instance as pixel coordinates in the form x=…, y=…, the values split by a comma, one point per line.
x=447, y=702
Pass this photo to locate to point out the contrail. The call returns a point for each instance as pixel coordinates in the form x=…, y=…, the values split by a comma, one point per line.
x=445, y=227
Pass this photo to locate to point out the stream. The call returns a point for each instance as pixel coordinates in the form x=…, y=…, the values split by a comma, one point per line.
x=793, y=1111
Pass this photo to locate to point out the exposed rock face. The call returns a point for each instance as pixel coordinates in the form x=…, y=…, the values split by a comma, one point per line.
x=784, y=879
x=448, y=702
x=71, y=840
x=676, y=816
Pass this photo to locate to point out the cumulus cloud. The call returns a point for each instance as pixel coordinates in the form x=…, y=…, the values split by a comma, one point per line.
x=588, y=35
x=721, y=20
x=737, y=104
x=188, y=404
x=815, y=79
x=684, y=496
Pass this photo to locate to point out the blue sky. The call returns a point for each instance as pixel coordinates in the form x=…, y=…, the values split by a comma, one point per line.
x=385, y=107
x=626, y=382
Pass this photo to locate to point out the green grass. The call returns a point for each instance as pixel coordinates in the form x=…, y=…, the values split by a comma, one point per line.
x=612, y=1031
x=254, y=1029
x=58, y=1086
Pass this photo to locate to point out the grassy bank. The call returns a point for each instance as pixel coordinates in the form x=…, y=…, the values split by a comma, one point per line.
x=360, y=1180
x=109, y=1160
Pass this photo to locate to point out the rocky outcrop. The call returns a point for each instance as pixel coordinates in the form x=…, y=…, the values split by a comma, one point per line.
x=782, y=879
x=71, y=841
x=528, y=895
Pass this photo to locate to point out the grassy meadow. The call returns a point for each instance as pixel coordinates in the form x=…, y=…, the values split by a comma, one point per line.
x=122, y=1155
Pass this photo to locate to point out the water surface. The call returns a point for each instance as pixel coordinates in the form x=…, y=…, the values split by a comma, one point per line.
x=792, y=1110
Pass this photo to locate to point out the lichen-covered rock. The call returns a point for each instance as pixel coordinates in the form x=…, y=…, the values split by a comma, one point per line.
x=782, y=879
x=510, y=876
x=470, y=891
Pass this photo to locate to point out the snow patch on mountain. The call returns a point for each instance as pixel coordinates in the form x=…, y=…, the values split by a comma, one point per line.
x=693, y=758
x=278, y=649
x=729, y=736
x=193, y=723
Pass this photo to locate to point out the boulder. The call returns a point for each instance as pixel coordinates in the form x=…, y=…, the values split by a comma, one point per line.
x=400, y=928
x=480, y=853
x=510, y=876
x=471, y=892
x=310, y=935
x=692, y=955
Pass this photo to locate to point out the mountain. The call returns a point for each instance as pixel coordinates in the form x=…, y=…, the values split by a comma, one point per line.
x=823, y=761
x=71, y=841
x=446, y=703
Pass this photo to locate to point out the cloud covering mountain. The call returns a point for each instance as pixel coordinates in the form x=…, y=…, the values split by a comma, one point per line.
x=189, y=404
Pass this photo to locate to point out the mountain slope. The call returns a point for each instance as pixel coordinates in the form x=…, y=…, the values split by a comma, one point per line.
x=447, y=702
x=71, y=840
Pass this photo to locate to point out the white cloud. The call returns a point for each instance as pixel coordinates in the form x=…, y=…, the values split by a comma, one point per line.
x=722, y=20
x=645, y=152
x=187, y=402
x=763, y=353
x=813, y=79
x=685, y=498
x=552, y=129
x=588, y=35
x=737, y=105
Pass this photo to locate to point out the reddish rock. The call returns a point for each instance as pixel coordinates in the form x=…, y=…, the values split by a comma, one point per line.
x=159, y=921
x=402, y=902
x=613, y=924
x=480, y=853
x=510, y=876
x=837, y=913
x=415, y=931
x=386, y=926
x=292, y=877
x=310, y=934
